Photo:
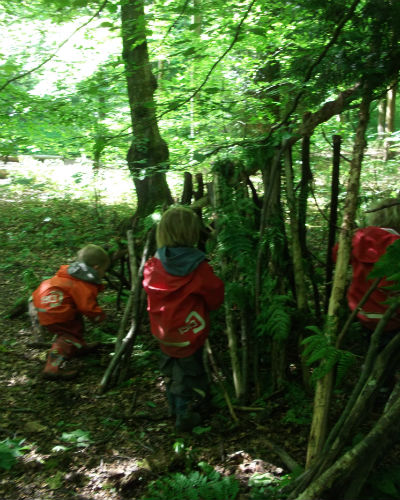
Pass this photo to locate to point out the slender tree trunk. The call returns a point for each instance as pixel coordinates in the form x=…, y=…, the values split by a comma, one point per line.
x=306, y=179
x=148, y=153
x=297, y=258
x=275, y=261
x=381, y=119
x=390, y=117
x=323, y=392
x=187, y=188
x=337, y=140
x=298, y=264
x=230, y=317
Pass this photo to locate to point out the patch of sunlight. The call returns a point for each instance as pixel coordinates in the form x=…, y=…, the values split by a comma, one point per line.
x=86, y=48
x=17, y=380
x=78, y=179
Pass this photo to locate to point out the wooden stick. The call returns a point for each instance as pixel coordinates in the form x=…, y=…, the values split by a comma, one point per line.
x=124, y=350
x=134, y=278
x=220, y=383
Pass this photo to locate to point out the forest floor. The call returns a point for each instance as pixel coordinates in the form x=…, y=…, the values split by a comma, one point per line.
x=75, y=443
x=83, y=445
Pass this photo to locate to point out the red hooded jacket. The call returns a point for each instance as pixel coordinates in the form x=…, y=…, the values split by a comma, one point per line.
x=179, y=306
x=368, y=245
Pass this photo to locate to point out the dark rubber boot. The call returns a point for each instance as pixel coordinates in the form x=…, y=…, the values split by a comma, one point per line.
x=186, y=419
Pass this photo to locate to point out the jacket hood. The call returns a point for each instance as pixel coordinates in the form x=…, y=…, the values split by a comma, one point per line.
x=180, y=261
x=370, y=243
x=83, y=272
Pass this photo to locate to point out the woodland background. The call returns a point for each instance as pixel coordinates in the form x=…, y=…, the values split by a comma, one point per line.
x=276, y=121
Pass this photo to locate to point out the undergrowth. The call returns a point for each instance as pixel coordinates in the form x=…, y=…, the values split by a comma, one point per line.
x=205, y=484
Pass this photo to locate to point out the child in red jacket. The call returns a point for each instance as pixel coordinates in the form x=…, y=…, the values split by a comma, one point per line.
x=368, y=245
x=181, y=289
x=60, y=303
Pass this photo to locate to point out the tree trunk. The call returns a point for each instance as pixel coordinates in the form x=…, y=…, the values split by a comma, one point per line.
x=337, y=140
x=322, y=399
x=272, y=256
x=381, y=118
x=297, y=258
x=187, y=188
x=148, y=153
x=390, y=117
x=306, y=179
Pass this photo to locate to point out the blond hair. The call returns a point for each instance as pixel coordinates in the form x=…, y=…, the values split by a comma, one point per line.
x=93, y=255
x=178, y=227
x=386, y=213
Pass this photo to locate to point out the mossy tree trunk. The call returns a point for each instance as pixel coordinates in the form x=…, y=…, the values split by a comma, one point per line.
x=148, y=154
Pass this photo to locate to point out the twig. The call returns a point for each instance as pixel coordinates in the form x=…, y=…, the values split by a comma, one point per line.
x=124, y=349
x=350, y=319
x=382, y=207
x=290, y=462
x=134, y=278
x=220, y=383
x=247, y=408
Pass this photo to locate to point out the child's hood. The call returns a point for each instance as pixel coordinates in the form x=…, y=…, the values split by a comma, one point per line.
x=180, y=261
x=370, y=243
x=81, y=271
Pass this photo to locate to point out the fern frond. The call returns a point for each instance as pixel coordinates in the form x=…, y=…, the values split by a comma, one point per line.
x=275, y=319
x=319, y=350
x=345, y=361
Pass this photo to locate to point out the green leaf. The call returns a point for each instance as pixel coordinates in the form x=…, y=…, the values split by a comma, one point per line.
x=107, y=24
x=389, y=264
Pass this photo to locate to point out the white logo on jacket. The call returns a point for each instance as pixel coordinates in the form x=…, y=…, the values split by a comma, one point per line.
x=193, y=322
x=53, y=299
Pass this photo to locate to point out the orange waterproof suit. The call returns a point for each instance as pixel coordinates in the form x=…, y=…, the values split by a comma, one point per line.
x=63, y=300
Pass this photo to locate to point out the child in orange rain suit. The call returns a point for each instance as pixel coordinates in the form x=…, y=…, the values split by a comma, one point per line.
x=181, y=289
x=61, y=302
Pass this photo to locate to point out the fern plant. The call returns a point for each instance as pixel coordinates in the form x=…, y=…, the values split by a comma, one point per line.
x=206, y=484
x=318, y=348
x=274, y=319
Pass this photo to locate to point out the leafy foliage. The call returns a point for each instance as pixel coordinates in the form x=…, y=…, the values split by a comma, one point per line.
x=236, y=244
x=274, y=319
x=384, y=484
x=318, y=349
x=10, y=450
x=79, y=438
x=299, y=411
x=267, y=487
x=206, y=484
x=389, y=266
